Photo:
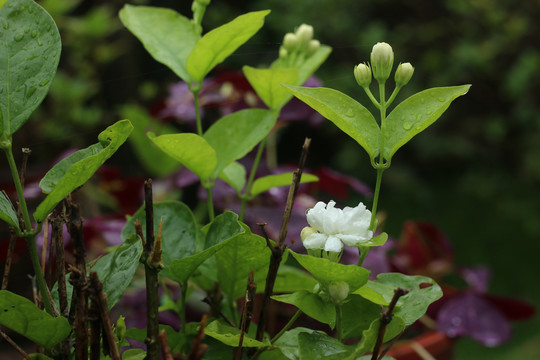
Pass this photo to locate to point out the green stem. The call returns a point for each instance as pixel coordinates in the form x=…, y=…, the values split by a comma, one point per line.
x=210, y=202
x=182, y=310
x=339, y=322
x=372, y=223
x=371, y=97
x=247, y=193
x=286, y=327
x=197, y=111
x=393, y=96
x=30, y=236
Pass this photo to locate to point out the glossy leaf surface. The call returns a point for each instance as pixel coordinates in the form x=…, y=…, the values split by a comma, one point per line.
x=29, y=57
x=230, y=335
x=319, y=345
x=191, y=150
x=75, y=170
x=21, y=315
x=216, y=45
x=326, y=271
x=167, y=35
x=267, y=84
x=234, y=174
x=346, y=113
x=7, y=213
x=415, y=114
x=268, y=182
x=234, y=135
x=423, y=291
x=312, y=305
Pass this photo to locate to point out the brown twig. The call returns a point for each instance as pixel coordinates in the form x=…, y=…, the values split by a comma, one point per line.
x=9, y=257
x=26, y=153
x=152, y=281
x=14, y=345
x=197, y=347
x=166, y=349
x=95, y=328
x=139, y=231
x=213, y=299
x=101, y=299
x=246, y=314
x=386, y=318
x=279, y=249
x=45, y=243
x=58, y=239
x=79, y=282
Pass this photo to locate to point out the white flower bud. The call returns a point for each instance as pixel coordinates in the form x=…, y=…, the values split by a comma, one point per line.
x=290, y=42
x=382, y=59
x=404, y=73
x=283, y=52
x=314, y=45
x=338, y=290
x=362, y=74
x=304, y=33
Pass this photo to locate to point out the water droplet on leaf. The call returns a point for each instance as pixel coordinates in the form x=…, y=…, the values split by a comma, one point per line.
x=422, y=101
x=349, y=113
x=44, y=82
x=6, y=25
x=407, y=126
x=19, y=37
x=35, y=33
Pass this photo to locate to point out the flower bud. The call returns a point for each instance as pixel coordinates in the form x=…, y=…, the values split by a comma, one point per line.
x=338, y=290
x=404, y=73
x=306, y=232
x=314, y=45
x=283, y=52
x=290, y=42
x=362, y=74
x=304, y=33
x=382, y=59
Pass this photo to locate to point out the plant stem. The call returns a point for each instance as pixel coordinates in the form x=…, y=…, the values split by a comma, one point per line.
x=29, y=235
x=197, y=111
x=371, y=97
x=182, y=310
x=339, y=322
x=247, y=194
x=373, y=223
x=210, y=203
x=393, y=96
x=286, y=327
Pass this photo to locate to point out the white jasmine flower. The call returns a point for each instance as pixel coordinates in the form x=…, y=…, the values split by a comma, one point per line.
x=331, y=227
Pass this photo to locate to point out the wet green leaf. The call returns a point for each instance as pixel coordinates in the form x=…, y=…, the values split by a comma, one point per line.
x=234, y=135
x=116, y=270
x=75, y=170
x=423, y=291
x=230, y=335
x=218, y=44
x=326, y=271
x=234, y=174
x=267, y=84
x=415, y=114
x=167, y=35
x=312, y=305
x=346, y=113
x=28, y=61
x=290, y=279
x=369, y=336
x=191, y=150
x=24, y=317
x=319, y=345
x=7, y=213
x=268, y=182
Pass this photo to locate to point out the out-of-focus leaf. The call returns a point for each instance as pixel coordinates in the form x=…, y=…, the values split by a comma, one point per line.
x=268, y=182
x=234, y=174
x=267, y=84
x=7, y=213
x=230, y=335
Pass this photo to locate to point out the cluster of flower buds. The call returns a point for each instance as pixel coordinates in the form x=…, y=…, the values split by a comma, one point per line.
x=382, y=60
x=299, y=43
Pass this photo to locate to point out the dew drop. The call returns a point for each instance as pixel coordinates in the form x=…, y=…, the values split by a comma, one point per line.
x=39, y=42
x=35, y=33
x=19, y=37
x=422, y=100
x=407, y=126
x=442, y=99
x=428, y=112
x=1, y=90
x=6, y=25
x=44, y=82
x=31, y=91
x=349, y=113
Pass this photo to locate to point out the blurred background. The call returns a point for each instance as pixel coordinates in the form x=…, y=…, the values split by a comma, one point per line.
x=475, y=173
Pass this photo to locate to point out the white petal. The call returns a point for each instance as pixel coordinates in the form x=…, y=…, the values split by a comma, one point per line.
x=315, y=215
x=333, y=244
x=315, y=241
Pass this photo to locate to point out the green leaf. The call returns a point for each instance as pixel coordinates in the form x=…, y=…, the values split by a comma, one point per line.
x=134, y=354
x=267, y=84
x=311, y=304
x=234, y=174
x=116, y=270
x=288, y=343
x=369, y=336
x=224, y=227
x=354, y=325
x=175, y=338
x=21, y=315
x=346, y=113
x=230, y=335
x=191, y=150
x=150, y=156
x=76, y=169
x=378, y=240
x=319, y=345
x=415, y=114
x=245, y=252
x=268, y=182
x=312, y=63
x=326, y=271
x=179, y=235
x=218, y=44
x=290, y=279
x=7, y=213
x=423, y=292
x=28, y=61
x=234, y=135
x=167, y=35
